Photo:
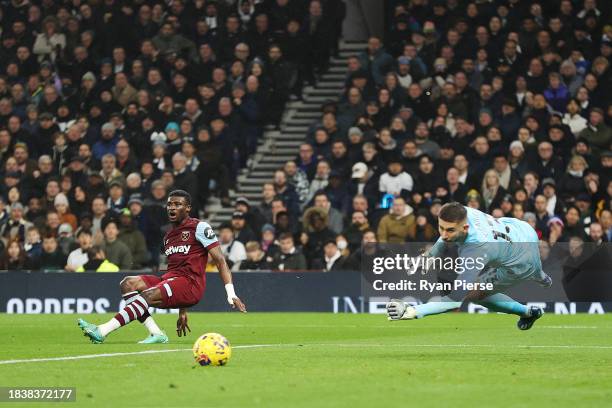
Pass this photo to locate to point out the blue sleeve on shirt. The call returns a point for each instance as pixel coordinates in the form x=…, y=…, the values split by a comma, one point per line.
x=205, y=234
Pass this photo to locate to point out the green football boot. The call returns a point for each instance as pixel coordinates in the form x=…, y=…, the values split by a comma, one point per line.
x=91, y=331
x=155, y=339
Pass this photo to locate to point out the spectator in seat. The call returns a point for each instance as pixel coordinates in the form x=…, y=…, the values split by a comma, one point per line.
x=334, y=216
x=65, y=238
x=242, y=231
x=395, y=180
x=428, y=177
x=256, y=258
x=355, y=230
x=287, y=193
x=253, y=217
x=134, y=239
x=62, y=207
x=315, y=233
x=332, y=260
x=289, y=258
x=320, y=180
x=596, y=234
x=572, y=118
x=555, y=205
x=597, y=133
x=376, y=60
x=399, y=225
x=97, y=261
x=298, y=179
x=78, y=257
x=184, y=179
x=547, y=164
x=33, y=244
x=492, y=191
x=110, y=173
x=233, y=250
x=52, y=257
x=15, y=258
x=572, y=182
x=268, y=242
x=16, y=226
x=49, y=43
x=116, y=251
x=368, y=248
x=107, y=143
x=265, y=207
x=541, y=212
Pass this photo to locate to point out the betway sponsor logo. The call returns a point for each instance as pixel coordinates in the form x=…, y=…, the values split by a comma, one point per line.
x=178, y=249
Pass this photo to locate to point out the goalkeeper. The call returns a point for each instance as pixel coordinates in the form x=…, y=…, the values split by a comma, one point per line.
x=511, y=255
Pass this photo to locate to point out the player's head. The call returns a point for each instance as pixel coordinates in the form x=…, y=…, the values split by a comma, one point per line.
x=178, y=206
x=452, y=222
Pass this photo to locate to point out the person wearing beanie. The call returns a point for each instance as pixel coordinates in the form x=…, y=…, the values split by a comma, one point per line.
x=62, y=207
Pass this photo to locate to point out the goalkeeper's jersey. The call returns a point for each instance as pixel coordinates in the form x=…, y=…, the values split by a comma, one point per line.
x=506, y=243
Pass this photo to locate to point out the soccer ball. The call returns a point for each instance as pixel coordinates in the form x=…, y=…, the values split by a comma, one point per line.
x=212, y=349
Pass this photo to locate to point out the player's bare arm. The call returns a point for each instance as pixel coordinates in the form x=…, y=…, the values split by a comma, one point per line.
x=226, y=277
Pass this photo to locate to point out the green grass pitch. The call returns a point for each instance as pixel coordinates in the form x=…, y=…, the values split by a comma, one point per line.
x=323, y=360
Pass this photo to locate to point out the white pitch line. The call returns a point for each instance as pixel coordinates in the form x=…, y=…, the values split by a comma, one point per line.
x=132, y=353
x=361, y=345
x=568, y=327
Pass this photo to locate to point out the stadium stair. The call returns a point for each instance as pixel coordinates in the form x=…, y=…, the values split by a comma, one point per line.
x=278, y=146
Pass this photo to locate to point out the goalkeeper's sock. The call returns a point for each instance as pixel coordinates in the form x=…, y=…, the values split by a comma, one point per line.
x=504, y=304
x=146, y=318
x=433, y=308
x=132, y=311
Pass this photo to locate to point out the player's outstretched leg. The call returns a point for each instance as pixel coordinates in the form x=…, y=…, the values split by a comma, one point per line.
x=92, y=331
x=132, y=311
x=499, y=302
x=398, y=310
x=130, y=287
x=534, y=313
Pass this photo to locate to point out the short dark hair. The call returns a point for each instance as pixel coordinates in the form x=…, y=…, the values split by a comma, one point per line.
x=181, y=193
x=84, y=231
x=284, y=236
x=452, y=212
x=95, y=250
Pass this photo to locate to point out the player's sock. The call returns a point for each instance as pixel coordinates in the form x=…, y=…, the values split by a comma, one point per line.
x=433, y=308
x=146, y=318
x=151, y=325
x=112, y=325
x=505, y=304
x=132, y=311
x=129, y=298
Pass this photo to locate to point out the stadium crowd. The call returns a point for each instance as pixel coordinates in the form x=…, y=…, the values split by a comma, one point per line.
x=503, y=105
x=105, y=106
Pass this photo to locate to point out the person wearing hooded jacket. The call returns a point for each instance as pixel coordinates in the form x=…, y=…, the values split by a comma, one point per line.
x=399, y=225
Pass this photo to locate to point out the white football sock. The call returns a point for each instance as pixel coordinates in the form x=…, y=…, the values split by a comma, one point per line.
x=152, y=326
x=111, y=325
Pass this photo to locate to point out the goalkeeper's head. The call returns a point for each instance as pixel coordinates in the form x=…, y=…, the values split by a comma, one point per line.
x=452, y=222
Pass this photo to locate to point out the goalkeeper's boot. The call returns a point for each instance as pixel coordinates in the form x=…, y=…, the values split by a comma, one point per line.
x=160, y=338
x=398, y=310
x=533, y=314
x=91, y=331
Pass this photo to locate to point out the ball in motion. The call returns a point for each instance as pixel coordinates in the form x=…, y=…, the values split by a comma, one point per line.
x=212, y=349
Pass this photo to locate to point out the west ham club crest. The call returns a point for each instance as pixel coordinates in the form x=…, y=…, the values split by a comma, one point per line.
x=185, y=235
